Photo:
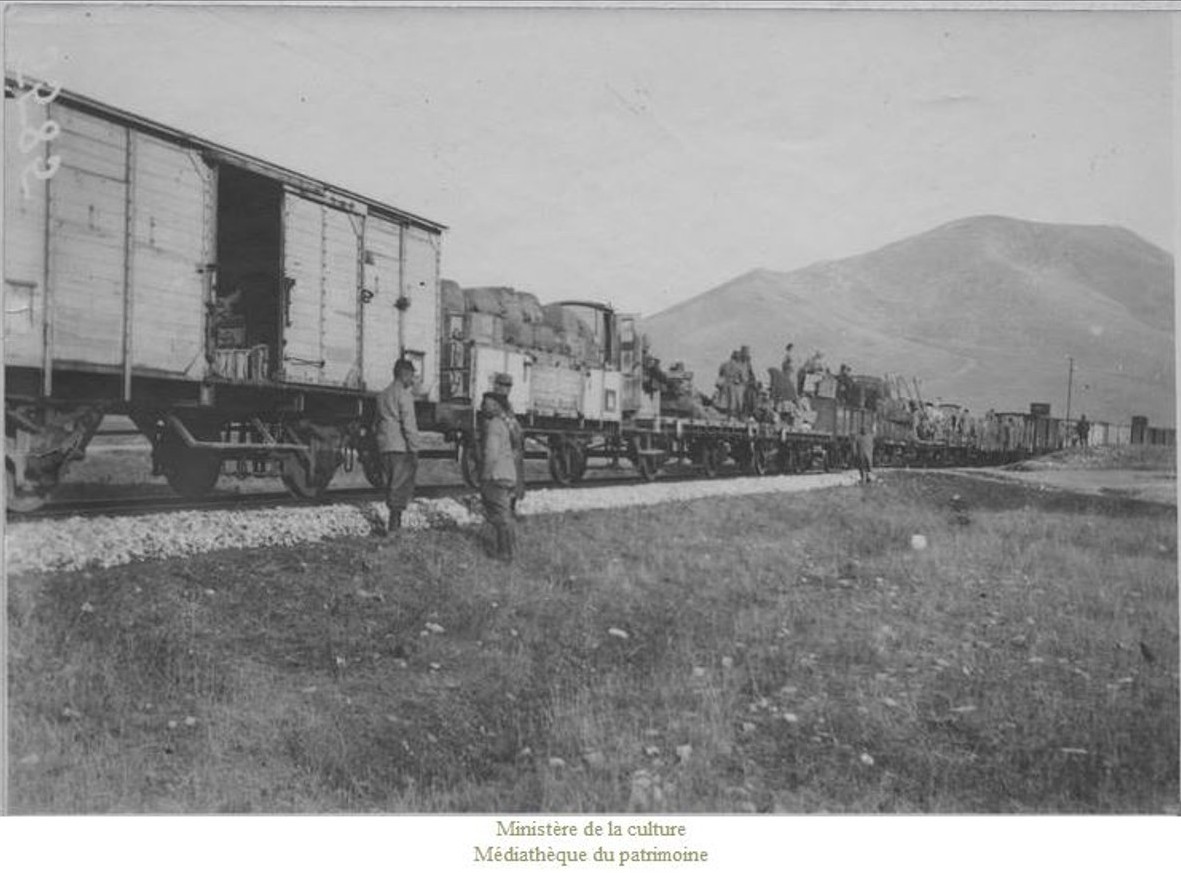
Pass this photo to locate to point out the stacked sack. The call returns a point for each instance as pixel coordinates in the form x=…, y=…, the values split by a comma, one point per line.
x=526, y=322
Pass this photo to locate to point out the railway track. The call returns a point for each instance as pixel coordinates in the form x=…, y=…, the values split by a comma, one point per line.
x=127, y=506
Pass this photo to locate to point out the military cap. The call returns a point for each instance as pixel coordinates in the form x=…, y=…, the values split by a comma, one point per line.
x=502, y=382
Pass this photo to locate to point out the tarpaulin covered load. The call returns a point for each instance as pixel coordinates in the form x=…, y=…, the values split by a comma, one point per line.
x=514, y=306
x=453, y=297
x=526, y=323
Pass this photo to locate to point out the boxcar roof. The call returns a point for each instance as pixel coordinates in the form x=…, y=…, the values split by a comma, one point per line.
x=223, y=154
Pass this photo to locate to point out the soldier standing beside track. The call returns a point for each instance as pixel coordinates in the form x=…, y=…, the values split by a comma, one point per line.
x=863, y=446
x=503, y=386
x=398, y=440
x=498, y=475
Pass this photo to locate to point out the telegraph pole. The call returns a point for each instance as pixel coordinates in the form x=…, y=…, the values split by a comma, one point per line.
x=1069, y=385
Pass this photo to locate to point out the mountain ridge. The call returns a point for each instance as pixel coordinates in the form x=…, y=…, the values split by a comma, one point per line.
x=985, y=310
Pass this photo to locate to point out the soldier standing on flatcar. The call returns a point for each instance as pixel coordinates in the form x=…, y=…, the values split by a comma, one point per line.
x=845, y=385
x=498, y=476
x=789, y=376
x=502, y=385
x=729, y=383
x=749, y=387
x=398, y=440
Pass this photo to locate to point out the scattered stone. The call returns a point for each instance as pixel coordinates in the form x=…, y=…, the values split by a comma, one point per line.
x=684, y=753
x=557, y=763
x=77, y=543
x=190, y=721
x=918, y=542
x=618, y=632
x=867, y=759
x=647, y=792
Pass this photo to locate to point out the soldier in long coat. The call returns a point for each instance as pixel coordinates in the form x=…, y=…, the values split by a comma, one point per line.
x=863, y=448
x=498, y=476
x=503, y=386
x=729, y=382
x=398, y=440
x=787, y=368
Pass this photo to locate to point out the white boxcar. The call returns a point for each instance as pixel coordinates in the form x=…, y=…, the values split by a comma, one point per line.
x=150, y=272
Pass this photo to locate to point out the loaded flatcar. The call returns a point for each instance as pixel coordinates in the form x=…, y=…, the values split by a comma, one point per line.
x=236, y=311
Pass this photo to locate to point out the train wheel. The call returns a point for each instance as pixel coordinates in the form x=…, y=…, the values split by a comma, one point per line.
x=566, y=466
x=372, y=467
x=192, y=472
x=469, y=462
x=24, y=499
x=310, y=482
x=710, y=458
x=789, y=459
x=648, y=466
x=762, y=458
x=580, y=461
x=643, y=458
x=370, y=458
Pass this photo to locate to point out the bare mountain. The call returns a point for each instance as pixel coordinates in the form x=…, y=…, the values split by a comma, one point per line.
x=984, y=311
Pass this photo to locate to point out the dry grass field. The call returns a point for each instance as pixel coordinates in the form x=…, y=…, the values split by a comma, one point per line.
x=770, y=654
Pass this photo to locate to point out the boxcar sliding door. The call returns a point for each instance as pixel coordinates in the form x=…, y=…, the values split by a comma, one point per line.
x=321, y=321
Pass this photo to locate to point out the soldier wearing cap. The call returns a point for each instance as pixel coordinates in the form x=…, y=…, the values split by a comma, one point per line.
x=502, y=385
x=498, y=473
x=398, y=440
x=787, y=368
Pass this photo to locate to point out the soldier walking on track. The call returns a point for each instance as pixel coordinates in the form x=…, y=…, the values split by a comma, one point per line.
x=398, y=440
x=863, y=446
x=498, y=475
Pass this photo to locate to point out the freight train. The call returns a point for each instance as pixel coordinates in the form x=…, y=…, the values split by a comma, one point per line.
x=243, y=317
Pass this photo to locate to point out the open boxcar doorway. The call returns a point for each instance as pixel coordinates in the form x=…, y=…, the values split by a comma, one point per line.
x=247, y=334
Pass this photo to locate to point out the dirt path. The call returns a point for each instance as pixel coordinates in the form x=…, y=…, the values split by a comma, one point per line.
x=1156, y=486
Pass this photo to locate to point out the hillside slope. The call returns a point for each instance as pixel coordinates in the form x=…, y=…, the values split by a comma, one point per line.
x=984, y=310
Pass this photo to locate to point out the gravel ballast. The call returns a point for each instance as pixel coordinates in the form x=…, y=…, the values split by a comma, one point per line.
x=75, y=543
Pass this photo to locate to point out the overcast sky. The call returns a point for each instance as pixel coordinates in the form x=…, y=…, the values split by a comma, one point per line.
x=646, y=156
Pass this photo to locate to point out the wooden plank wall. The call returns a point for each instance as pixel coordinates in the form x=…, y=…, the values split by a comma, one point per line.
x=171, y=243
x=420, y=283
x=383, y=266
x=342, y=252
x=24, y=240
x=303, y=265
x=87, y=199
